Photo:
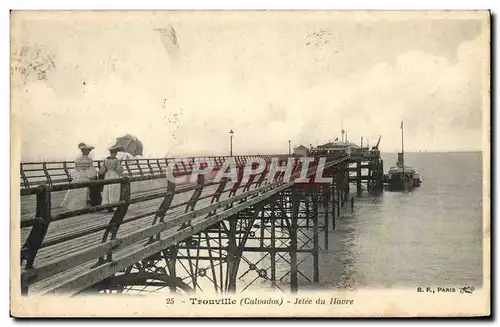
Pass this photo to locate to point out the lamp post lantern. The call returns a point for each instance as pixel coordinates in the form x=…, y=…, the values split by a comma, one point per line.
x=231, y=143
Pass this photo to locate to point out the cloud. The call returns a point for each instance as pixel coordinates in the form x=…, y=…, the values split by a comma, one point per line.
x=268, y=87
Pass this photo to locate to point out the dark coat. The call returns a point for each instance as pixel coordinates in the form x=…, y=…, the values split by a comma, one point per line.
x=96, y=192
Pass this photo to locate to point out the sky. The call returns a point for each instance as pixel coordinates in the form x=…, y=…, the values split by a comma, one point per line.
x=270, y=77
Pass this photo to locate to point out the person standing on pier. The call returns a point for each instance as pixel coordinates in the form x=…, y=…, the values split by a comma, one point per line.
x=111, y=168
x=84, y=171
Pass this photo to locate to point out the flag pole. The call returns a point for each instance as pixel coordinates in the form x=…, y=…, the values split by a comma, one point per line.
x=402, y=147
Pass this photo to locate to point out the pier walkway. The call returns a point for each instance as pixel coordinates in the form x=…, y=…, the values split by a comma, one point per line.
x=72, y=251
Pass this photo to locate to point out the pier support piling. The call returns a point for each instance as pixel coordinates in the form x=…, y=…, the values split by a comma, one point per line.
x=326, y=192
x=294, y=283
x=358, y=176
x=273, y=245
x=232, y=257
x=316, y=238
x=333, y=204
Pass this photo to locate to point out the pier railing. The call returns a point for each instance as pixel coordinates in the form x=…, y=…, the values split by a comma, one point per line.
x=59, y=172
x=241, y=194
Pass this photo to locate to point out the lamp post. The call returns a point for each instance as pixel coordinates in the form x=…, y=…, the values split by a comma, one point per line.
x=231, y=143
x=289, y=148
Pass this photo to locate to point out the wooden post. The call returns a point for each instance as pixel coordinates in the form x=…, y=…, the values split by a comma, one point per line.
x=231, y=256
x=212, y=266
x=339, y=191
x=315, y=213
x=294, y=283
x=358, y=176
x=159, y=166
x=342, y=184
x=221, y=270
x=371, y=178
x=333, y=204
x=200, y=184
x=307, y=204
x=164, y=206
x=235, y=251
x=46, y=173
x=172, y=262
x=315, y=236
x=151, y=171
x=40, y=226
x=66, y=171
x=116, y=220
x=24, y=177
x=346, y=184
x=262, y=229
x=380, y=168
x=273, y=244
x=139, y=167
x=128, y=167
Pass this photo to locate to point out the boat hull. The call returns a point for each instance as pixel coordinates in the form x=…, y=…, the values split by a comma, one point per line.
x=398, y=183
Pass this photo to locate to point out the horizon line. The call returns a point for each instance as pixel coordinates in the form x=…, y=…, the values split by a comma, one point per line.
x=254, y=154
x=433, y=151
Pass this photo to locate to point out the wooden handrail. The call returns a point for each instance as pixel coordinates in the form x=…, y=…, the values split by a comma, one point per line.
x=65, y=166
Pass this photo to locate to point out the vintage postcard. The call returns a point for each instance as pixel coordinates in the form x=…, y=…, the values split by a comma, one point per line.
x=250, y=163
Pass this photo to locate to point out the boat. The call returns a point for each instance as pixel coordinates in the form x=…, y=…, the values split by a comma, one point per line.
x=401, y=177
x=399, y=180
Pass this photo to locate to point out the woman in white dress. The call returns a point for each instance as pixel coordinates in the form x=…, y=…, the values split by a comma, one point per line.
x=111, y=168
x=84, y=171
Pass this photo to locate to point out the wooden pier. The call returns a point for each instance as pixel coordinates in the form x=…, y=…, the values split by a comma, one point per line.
x=181, y=236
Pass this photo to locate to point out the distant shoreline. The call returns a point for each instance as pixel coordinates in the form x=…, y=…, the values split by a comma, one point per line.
x=476, y=151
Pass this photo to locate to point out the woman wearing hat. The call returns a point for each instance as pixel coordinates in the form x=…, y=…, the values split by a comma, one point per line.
x=111, y=168
x=84, y=171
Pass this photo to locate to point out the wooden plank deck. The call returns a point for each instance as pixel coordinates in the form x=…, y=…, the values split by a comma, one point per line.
x=99, y=221
x=73, y=280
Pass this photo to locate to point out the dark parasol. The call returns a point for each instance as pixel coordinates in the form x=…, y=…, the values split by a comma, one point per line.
x=130, y=144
